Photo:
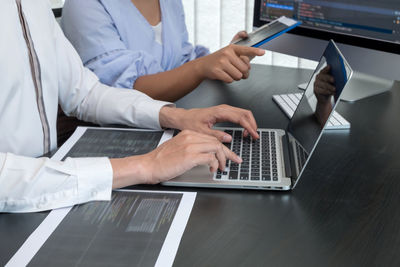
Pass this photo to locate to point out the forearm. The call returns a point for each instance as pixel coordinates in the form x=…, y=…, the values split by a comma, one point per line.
x=129, y=171
x=107, y=105
x=323, y=111
x=171, y=85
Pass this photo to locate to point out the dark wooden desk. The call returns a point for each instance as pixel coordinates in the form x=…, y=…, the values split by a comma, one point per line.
x=344, y=212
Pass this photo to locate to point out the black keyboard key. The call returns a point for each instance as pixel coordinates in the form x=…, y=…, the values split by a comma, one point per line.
x=230, y=132
x=266, y=178
x=233, y=175
x=237, y=134
x=218, y=176
x=255, y=178
x=244, y=176
x=228, y=145
x=225, y=173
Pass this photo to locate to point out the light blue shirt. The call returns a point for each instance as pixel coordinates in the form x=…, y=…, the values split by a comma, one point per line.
x=116, y=42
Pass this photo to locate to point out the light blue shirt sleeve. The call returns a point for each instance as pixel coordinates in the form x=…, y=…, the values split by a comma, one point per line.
x=93, y=33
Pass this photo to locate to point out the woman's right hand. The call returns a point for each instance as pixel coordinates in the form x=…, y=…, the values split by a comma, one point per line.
x=228, y=64
x=171, y=159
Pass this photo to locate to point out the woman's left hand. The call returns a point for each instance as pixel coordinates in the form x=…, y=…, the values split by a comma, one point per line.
x=239, y=35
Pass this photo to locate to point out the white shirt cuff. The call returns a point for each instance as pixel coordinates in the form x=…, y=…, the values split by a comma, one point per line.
x=95, y=177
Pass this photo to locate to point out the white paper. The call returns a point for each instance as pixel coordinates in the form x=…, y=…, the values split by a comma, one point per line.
x=168, y=251
x=36, y=240
x=287, y=21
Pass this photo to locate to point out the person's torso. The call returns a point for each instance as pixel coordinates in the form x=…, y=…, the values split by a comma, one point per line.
x=138, y=35
x=21, y=122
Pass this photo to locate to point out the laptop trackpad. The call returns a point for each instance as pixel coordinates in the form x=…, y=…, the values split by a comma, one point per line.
x=195, y=175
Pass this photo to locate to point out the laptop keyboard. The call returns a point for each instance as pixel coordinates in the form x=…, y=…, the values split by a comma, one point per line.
x=259, y=158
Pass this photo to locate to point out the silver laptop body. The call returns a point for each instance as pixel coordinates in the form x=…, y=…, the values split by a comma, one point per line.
x=278, y=159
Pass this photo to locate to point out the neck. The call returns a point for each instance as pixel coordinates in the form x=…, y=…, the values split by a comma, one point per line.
x=150, y=9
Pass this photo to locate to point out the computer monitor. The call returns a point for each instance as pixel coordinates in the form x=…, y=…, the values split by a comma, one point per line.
x=367, y=32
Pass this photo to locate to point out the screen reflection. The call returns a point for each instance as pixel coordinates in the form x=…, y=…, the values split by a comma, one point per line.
x=317, y=104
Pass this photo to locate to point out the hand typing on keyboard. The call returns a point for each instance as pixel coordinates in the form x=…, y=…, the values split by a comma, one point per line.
x=203, y=120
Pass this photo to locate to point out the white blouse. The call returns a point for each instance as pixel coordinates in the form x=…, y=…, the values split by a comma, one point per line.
x=158, y=32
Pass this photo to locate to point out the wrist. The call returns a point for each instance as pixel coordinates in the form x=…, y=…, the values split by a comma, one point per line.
x=172, y=117
x=130, y=171
x=199, y=68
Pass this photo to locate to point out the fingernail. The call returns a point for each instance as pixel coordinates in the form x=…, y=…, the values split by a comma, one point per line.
x=239, y=159
x=226, y=138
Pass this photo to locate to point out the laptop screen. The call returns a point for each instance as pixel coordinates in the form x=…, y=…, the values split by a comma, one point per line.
x=316, y=106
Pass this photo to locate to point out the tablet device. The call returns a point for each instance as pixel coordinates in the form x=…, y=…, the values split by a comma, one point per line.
x=268, y=32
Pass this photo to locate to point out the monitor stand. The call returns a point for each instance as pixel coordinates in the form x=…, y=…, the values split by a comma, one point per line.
x=362, y=86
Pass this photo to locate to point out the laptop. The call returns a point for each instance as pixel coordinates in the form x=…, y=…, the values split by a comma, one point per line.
x=278, y=159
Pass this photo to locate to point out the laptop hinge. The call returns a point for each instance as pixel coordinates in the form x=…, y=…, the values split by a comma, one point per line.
x=286, y=156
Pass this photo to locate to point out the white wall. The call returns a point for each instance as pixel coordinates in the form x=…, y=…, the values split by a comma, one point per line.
x=57, y=3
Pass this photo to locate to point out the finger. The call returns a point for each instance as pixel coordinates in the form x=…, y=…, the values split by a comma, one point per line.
x=213, y=147
x=219, y=152
x=248, y=51
x=223, y=76
x=326, y=78
x=245, y=123
x=206, y=159
x=323, y=91
x=326, y=70
x=246, y=61
x=239, y=64
x=233, y=72
x=231, y=155
x=252, y=124
x=326, y=86
x=220, y=135
x=248, y=123
x=242, y=34
x=198, y=137
x=220, y=155
x=239, y=116
x=214, y=165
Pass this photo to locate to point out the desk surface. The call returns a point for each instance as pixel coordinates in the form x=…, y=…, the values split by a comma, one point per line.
x=344, y=211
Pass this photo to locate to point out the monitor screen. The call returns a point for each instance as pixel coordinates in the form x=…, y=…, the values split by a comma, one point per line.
x=377, y=20
x=316, y=106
